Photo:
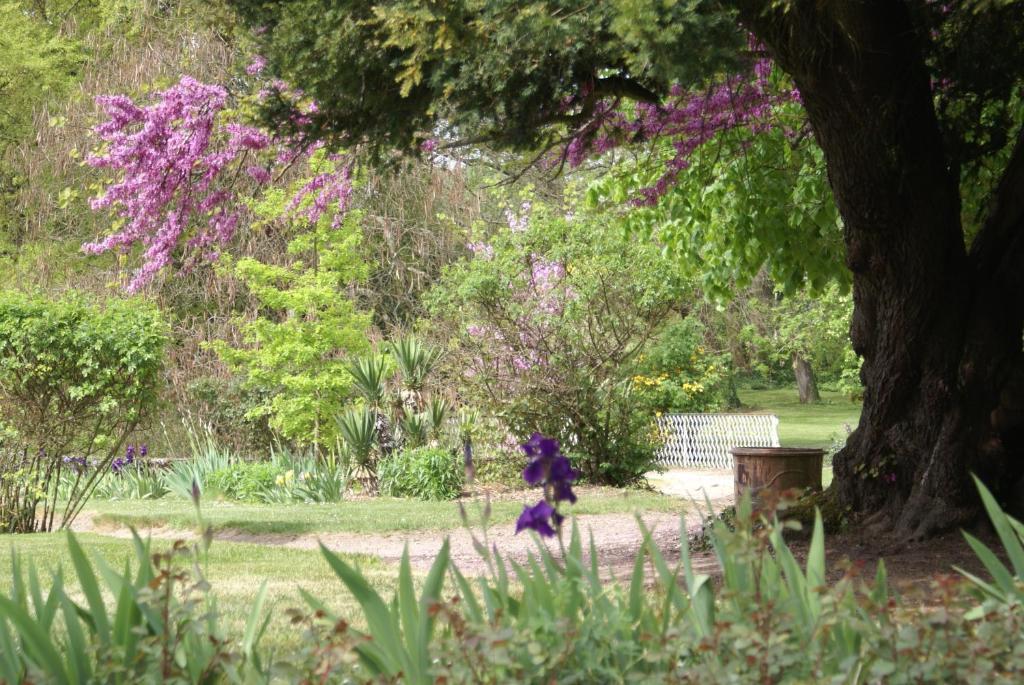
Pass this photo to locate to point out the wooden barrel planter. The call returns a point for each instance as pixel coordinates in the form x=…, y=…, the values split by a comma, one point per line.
x=775, y=468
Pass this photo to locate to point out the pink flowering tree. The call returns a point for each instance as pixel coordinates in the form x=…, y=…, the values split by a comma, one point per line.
x=550, y=314
x=183, y=165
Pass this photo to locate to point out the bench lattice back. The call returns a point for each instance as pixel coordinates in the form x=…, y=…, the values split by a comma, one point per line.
x=704, y=440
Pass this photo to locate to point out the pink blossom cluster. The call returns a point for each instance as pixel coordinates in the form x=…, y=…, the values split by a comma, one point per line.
x=170, y=156
x=517, y=223
x=256, y=66
x=176, y=163
x=481, y=249
x=326, y=191
x=688, y=120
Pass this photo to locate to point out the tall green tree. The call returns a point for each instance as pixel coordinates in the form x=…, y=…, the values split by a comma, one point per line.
x=914, y=104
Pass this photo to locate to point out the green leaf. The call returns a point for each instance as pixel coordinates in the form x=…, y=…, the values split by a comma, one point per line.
x=39, y=648
x=91, y=590
x=1005, y=528
x=390, y=657
x=254, y=627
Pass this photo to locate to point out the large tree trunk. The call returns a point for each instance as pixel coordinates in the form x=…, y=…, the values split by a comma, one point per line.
x=939, y=327
x=806, y=385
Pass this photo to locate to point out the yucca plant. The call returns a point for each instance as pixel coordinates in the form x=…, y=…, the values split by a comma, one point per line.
x=415, y=429
x=436, y=413
x=369, y=375
x=414, y=360
x=358, y=430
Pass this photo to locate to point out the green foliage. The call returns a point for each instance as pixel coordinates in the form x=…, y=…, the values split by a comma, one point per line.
x=153, y=622
x=206, y=457
x=816, y=327
x=550, y=618
x=414, y=361
x=1007, y=586
x=75, y=379
x=36, y=63
x=750, y=201
x=298, y=348
x=228, y=407
x=398, y=644
x=358, y=430
x=677, y=375
x=245, y=481
x=498, y=68
x=768, y=618
x=429, y=473
x=137, y=481
x=544, y=330
x=369, y=376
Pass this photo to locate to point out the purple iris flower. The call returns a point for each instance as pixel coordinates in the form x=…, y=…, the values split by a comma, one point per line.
x=564, y=493
x=143, y=451
x=537, y=518
x=547, y=466
x=540, y=446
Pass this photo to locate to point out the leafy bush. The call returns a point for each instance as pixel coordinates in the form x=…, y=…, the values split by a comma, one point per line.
x=544, y=328
x=76, y=379
x=309, y=326
x=428, y=473
x=677, y=375
x=245, y=481
x=500, y=468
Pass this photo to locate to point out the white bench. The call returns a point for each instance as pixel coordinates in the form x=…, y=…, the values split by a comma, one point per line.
x=704, y=440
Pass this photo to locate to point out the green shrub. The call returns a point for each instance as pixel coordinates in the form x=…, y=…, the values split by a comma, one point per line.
x=544, y=328
x=500, y=468
x=76, y=378
x=425, y=472
x=677, y=374
x=245, y=481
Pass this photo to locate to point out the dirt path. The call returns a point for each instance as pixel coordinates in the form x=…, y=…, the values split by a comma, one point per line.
x=617, y=536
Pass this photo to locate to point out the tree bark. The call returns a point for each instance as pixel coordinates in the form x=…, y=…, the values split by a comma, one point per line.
x=806, y=385
x=939, y=326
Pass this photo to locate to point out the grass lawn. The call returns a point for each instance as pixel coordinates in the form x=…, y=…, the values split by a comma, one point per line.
x=235, y=572
x=378, y=515
x=804, y=425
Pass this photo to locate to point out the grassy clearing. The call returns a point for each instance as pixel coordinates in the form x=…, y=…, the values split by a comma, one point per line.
x=804, y=425
x=235, y=572
x=371, y=516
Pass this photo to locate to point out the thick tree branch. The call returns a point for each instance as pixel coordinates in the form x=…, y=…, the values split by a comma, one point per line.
x=622, y=87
